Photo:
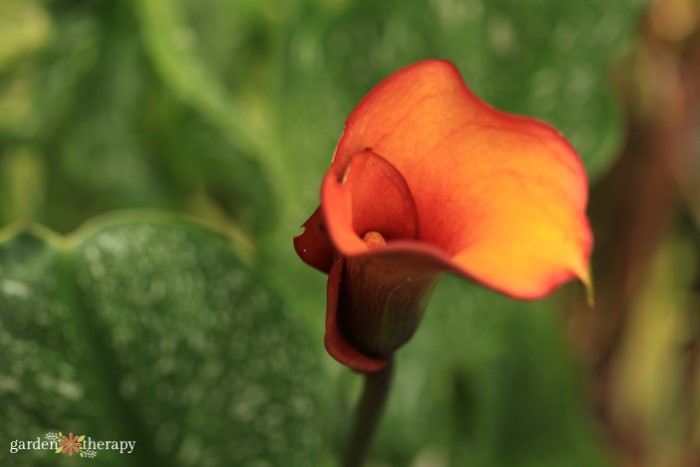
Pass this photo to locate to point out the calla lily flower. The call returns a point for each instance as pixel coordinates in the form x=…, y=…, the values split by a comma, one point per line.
x=428, y=179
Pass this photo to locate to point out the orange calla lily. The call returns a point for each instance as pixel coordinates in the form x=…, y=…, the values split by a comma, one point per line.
x=428, y=179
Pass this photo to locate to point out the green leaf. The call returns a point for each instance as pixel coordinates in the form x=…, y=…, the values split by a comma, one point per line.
x=173, y=45
x=152, y=331
x=98, y=154
x=113, y=136
x=203, y=164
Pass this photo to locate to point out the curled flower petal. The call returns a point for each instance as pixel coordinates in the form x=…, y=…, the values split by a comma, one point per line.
x=313, y=245
x=367, y=194
x=502, y=196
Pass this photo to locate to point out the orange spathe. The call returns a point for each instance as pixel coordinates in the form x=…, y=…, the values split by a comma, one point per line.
x=452, y=185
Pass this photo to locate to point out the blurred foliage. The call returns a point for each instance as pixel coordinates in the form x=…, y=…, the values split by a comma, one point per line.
x=118, y=334
x=228, y=112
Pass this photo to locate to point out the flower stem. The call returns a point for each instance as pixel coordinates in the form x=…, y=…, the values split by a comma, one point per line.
x=368, y=414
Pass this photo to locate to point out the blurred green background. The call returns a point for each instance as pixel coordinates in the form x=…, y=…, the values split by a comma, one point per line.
x=158, y=156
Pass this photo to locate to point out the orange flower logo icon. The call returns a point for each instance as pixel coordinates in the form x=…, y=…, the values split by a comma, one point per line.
x=70, y=444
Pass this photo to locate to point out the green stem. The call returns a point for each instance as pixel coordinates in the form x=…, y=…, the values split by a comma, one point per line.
x=369, y=412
